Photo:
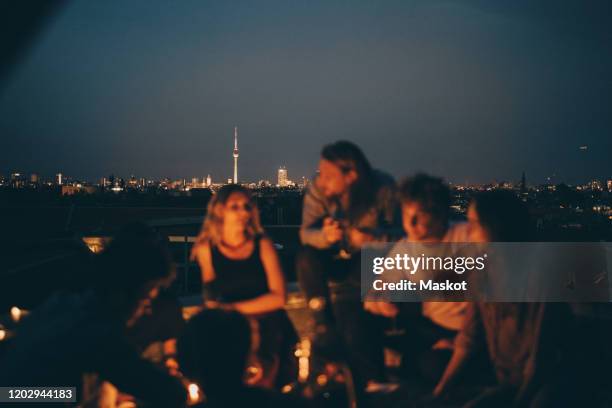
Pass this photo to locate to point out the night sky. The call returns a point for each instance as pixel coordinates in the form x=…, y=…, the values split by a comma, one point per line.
x=468, y=90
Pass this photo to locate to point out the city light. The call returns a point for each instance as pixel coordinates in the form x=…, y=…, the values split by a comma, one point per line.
x=16, y=313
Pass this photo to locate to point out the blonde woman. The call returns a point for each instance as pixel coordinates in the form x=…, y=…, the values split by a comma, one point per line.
x=241, y=270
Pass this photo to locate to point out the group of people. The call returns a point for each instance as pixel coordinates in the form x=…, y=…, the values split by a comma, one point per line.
x=96, y=338
x=446, y=349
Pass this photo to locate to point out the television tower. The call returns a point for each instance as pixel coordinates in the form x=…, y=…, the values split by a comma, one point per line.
x=235, y=154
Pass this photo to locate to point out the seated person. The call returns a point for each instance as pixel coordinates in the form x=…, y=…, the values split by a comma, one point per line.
x=348, y=205
x=241, y=270
x=73, y=334
x=213, y=352
x=430, y=326
x=526, y=343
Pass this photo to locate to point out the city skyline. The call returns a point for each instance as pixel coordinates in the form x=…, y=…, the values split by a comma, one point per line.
x=466, y=90
x=282, y=180
x=282, y=176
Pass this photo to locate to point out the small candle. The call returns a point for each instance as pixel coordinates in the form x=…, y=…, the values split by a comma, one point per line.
x=194, y=393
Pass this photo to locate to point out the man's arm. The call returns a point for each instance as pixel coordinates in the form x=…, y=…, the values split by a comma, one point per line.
x=313, y=214
x=465, y=344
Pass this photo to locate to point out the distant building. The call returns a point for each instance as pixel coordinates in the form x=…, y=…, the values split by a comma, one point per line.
x=34, y=178
x=17, y=180
x=59, y=179
x=208, y=181
x=69, y=190
x=283, y=181
x=230, y=180
x=304, y=183
x=523, y=186
x=235, y=154
x=133, y=182
x=596, y=185
x=107, y=182
x=609, y=184
x=79, y=188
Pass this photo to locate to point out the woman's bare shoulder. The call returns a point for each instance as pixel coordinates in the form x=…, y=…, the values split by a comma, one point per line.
x=266, y=244
x=201, y=250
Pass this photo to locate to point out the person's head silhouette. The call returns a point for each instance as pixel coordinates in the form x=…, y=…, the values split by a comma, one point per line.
x=131, y=271
x=214, y=348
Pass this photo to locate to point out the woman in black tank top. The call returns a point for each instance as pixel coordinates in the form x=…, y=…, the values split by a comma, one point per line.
x=241, y=279
x=241, y=270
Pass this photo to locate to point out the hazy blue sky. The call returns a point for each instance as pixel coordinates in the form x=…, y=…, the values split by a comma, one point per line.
x=463, y=89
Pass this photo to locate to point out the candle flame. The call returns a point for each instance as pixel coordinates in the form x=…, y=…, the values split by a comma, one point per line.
x=194, y=393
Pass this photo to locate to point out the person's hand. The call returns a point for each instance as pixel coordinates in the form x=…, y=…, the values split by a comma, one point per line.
x=386, y=309
x=370, y=306
x=358, y=238
x=443, y=344
x=213, y=304
x=332, y=230
x=439, y=390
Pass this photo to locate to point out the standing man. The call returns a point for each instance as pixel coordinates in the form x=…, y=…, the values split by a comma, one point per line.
x=348, y=205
